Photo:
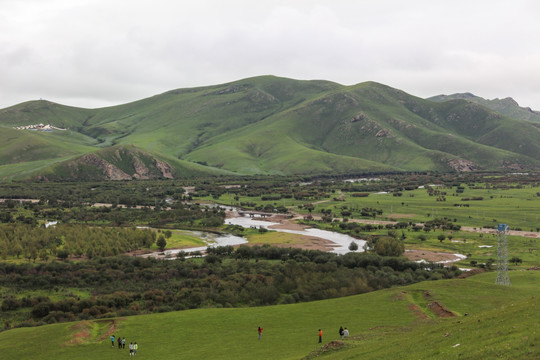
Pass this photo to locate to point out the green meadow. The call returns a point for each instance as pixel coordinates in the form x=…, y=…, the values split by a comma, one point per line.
x=491, y=321
x=181, y=238
x=518, y=207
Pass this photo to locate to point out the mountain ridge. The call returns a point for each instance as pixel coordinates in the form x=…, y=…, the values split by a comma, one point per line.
x=273, y=125
x=506, y=106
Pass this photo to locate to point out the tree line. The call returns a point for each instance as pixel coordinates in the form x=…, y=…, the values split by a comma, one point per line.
x=247, y=276
x=60, y=241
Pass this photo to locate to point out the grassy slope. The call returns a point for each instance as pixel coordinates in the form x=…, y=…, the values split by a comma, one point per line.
x=45, y=112
x=21, y=146
x=282, y=126
x=500, y=324
x=24, y=152
x=177, y=121
x=375, y=123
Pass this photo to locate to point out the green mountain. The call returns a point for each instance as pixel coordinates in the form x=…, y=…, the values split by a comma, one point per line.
x=507, y=106
x=263, y=125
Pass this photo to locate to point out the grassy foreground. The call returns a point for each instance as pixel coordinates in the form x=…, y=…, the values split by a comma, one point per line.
x=387, y=324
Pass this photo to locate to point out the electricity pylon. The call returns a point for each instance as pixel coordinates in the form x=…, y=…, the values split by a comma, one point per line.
x=502, y=255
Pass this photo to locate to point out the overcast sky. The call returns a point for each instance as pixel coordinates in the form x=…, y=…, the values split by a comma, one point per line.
x=94, y=53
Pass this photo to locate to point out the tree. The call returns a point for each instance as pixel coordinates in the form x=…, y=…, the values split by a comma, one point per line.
x=515, y=260
x=353, y=246
x=388, y=246
x=422, y=237
x=441, y=237
x=62, y=254
x=161, y=242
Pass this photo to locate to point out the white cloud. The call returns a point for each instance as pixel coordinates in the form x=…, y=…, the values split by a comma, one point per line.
x=96, y=52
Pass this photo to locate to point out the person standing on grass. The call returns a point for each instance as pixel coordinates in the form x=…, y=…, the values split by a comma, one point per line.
x=123, y=343
x=341, y=332
x=112, y=340
x=135, y=347
x=259, y=330
x=345, y=333
x=130, y=349
x=320, y=335
x=119, y=342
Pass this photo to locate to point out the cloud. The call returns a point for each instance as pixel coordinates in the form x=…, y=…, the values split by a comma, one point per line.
x=96, y=53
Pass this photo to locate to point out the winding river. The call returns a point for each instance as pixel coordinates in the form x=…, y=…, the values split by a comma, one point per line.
x=212, y=240
x=341, y=241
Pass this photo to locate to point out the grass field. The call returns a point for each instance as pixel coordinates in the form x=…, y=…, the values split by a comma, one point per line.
x=518, y=207
x=181, y=238
x=387, y=324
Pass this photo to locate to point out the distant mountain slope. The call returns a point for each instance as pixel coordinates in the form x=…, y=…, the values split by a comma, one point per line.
x=268, y=125
x=507, y=106
x=374, y=122
x=121, y=163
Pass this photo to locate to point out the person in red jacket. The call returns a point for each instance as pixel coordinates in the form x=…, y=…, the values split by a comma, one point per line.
x=320, y=335
x=259, y=330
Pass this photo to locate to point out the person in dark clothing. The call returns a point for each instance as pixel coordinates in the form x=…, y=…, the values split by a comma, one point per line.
x=341, y=332
x=259, y=330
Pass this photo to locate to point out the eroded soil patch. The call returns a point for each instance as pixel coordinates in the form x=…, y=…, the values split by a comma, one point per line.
x=86, y=331
x=440, y=310
x=82, y=333
x=418, y=313
x=329, y=347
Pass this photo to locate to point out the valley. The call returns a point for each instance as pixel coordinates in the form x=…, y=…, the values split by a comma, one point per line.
x=203, y=213
x=89, y=269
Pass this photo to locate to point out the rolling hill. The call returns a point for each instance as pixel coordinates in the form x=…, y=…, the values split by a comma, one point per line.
x=264, y=125
x=446, y=319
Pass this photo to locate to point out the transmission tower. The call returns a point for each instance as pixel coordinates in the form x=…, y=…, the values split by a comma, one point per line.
x=502, y=255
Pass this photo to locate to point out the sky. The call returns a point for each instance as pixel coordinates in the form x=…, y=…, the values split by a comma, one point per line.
x=96, y=53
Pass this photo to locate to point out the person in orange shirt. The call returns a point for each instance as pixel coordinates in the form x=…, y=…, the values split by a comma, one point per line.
x=320, y=335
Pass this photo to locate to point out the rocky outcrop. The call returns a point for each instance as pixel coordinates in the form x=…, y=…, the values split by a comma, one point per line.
x=110, y=171
x=121, y=164
x=463, y=165
x=141, y=171
x=166, y=170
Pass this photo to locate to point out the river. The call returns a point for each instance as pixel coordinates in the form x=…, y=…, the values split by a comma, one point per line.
x=341, y=241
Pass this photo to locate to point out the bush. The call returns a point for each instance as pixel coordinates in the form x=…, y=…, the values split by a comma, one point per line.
x=10, y=303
